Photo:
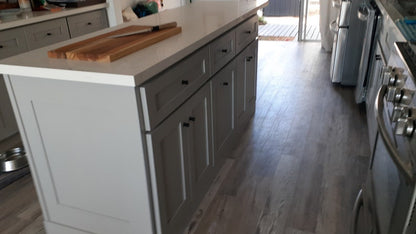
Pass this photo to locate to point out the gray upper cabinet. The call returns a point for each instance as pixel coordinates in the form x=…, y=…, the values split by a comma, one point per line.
x=46, y=33
x=12, y=42
x=86, y=23
x=223, y=112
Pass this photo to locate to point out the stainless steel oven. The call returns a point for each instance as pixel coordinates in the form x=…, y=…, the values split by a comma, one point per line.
x=386, y=204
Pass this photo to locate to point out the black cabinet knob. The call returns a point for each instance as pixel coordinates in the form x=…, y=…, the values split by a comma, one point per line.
x=186, y=125
x=192, y=119
x=249, y=58
x=225, y=83
x=185, y=82
x=48, y=34
x=1, y=46
x=89, y=23
x=248, y=31
x=224, y=50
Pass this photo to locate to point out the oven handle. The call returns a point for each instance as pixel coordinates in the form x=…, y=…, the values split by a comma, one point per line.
x=359, y=202
x=405, y=169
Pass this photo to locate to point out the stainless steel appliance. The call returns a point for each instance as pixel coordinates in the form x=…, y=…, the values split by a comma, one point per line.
x=346, y=53
x=370, y=14
x=386, y=203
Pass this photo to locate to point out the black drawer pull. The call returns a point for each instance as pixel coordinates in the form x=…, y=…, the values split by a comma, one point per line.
x=185, y=82
x=186, y=125
x=48, y=34
x=225, y=83
x=1, y=47
x=249, y=58
x=378, y=57
x=224, y=50
x=248, y=31
x=192, y=119
x=89, y=23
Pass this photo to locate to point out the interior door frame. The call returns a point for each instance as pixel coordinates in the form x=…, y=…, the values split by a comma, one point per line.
x=303, y=19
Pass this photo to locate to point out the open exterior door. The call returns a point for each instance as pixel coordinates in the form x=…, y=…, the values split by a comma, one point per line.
x=282, y=8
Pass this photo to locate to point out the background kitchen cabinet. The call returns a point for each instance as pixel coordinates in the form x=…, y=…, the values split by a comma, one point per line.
x=184, y=170
x=223, y=109
x=245, y=84
x=22, y=39
x=8, y=125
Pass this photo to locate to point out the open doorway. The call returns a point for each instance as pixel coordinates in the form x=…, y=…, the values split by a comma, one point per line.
x=288, y=20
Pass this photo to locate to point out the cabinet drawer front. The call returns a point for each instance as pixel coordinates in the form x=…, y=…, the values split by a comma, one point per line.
x=12, y=42
x=168, y=90
x=246, y=32
x=86, y=23
x=46, y=33
x=222, y=50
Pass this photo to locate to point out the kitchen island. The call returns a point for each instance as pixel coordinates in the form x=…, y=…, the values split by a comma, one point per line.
x=133, y=145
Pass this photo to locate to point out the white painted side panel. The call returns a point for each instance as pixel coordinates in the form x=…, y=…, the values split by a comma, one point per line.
x=86, y=146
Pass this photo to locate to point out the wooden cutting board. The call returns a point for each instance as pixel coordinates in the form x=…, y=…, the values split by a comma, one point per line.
x=104, y=49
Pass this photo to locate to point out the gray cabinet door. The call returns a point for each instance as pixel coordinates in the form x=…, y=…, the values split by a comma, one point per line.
x=200, y=141
x=8, y=125
x=169, y=151
x=223, y=111
x=246, y=84
x=12, y=42
x=251, y=74
x=46, y=33
x=87, y=22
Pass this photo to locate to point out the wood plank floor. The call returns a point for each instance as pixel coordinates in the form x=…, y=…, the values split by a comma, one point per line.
x=298, y=167
x=303, y=158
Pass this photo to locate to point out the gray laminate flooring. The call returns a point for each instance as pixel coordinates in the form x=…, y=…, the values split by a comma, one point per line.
x=303, y=158
x=298, y=167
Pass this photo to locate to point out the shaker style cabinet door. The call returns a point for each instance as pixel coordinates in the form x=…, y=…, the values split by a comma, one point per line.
x=246, y=84
x=251, y=74
x=8, y=125
x=200, y=151
x=87, y=22
x=168, y=148
x=223, y=108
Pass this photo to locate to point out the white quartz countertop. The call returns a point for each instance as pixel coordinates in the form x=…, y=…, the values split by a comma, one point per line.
x=201, y=22
x=32, y=17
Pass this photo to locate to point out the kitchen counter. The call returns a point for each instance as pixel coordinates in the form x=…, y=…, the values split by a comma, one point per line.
x=31, y=17
x=201, y=22
x=132, y=146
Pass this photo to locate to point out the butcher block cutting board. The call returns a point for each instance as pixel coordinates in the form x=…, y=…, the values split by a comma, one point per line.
x=104, y=48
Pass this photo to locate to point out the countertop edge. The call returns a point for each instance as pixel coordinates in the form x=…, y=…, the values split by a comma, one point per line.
x=169, y=61
x=75, y=76
x=108, y=78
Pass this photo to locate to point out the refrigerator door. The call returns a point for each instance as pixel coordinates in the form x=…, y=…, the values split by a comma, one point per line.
x=344, y=16
x=339, y=55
